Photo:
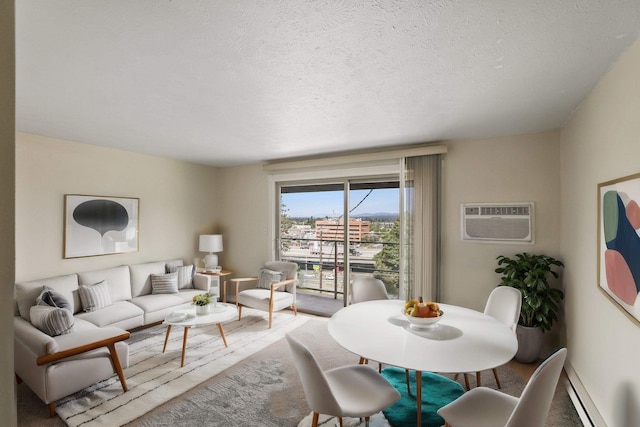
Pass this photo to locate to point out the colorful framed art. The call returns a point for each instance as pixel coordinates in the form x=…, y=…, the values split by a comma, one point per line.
x=619, y=243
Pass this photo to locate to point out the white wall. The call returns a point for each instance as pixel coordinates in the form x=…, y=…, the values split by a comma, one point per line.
x=7, y=211
x=601, y=142
x=178, y=201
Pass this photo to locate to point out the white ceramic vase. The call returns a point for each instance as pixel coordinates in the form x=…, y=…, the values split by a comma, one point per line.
x=203, y=309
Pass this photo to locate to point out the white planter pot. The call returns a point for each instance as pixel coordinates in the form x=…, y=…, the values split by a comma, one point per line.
x=529, y=343
x=203, y=309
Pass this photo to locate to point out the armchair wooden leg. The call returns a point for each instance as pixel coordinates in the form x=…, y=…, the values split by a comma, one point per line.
x=116, y=365
x=239, y=312
x=270, y=317
x=52, y=409
x=295, y=310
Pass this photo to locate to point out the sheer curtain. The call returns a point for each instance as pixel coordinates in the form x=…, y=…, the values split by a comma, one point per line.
x=421, y=229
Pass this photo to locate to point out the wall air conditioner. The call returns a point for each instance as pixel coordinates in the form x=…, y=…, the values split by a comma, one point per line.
x=498, y=222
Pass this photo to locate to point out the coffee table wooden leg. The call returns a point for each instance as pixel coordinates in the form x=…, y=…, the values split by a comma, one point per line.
x=224, y=340
x=184, y=344
x=419, y=396
x=166, y=338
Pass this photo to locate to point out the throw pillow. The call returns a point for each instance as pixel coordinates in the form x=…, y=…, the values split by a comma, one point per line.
x=94, y=297
x=268, y=277
x=52, y=298
x=185, y=276
x=164, y=283
x=52, y=321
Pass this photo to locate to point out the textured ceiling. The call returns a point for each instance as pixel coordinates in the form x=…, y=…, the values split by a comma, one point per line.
x=232, y=82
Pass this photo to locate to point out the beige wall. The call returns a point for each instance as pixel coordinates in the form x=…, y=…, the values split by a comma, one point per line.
x=178, y=201
x=521, y=168
x=7, y=212
x=245, y=207
x=601, y=142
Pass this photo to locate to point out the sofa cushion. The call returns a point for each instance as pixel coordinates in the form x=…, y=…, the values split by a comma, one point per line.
x=53, y=299
x=117, y=277
x=96, y=296
x=26, y=293
x=185, y=275
x=141, y=277
x=170, y=266
x=164, y=283
x=53, y=321
x=151, y=303
x=122, y=314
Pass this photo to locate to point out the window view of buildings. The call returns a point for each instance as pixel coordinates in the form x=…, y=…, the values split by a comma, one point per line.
x=318, y=247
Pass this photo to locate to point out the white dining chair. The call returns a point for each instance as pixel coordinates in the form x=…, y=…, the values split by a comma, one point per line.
x=356, y=391
x=486, y=407
x=504, y=304
x=368, y=289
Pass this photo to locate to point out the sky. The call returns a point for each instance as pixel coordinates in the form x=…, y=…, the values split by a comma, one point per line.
x=329, y=203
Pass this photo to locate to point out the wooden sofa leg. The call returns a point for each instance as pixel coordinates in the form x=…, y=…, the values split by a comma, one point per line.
x=52, y=409
x=117, y=366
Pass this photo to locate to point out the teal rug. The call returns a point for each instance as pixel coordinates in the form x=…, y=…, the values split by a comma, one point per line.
x=437, y=391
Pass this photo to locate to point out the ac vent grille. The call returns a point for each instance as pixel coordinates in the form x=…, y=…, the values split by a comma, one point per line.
x=499, y=223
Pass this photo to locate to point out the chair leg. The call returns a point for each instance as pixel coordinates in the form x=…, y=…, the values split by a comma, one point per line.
x=379, y=368
x=466, y=382
x=340, y=421
x=270, y=317
x=478, y=380
x=362, y=361
x=495, y=374
x=406, y=375
x=314, y=421
x=295, y=310
x=366, y=421
x=52, y=409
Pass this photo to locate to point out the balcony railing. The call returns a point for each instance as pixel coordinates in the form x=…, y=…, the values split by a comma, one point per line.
x=321, y=264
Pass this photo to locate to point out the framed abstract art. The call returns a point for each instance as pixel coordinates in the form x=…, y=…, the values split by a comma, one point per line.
x=619, y=243
x=98, y=225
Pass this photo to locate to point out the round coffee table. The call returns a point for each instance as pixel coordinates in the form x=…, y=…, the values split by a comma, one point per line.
x=187, y=318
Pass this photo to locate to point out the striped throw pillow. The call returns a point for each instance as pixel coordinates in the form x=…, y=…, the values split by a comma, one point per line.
x=164, y=283
x=185, y=276
x=94, y=297
x=52, y=321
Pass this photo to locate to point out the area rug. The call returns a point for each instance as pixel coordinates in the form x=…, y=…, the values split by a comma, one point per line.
x=437, y=391
x=154, y=377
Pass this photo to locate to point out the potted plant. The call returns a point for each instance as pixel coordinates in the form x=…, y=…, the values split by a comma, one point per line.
x=540, y=302
x=202, y=301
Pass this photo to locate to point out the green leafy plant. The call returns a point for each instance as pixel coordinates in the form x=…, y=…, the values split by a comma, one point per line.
x=202, y=299
x=530, y=275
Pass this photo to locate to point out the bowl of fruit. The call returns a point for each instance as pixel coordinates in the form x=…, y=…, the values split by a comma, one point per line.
x=422, y=315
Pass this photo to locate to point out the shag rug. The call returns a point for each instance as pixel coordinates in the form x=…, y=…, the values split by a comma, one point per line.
x=154, y=377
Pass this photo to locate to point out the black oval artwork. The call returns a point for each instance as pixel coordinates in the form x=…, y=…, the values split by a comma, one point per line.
x=101, y=215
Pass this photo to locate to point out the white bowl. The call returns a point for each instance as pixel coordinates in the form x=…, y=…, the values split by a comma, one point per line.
x=424, y=322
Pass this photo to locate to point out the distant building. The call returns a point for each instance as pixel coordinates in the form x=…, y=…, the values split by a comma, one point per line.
x=333, y=229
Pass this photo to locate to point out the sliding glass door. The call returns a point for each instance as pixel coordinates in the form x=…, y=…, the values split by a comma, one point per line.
x=339, y=230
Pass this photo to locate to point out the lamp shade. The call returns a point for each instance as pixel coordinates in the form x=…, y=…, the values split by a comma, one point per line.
x=210, y=243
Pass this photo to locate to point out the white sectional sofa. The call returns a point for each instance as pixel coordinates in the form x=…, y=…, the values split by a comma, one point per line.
x=55, y=363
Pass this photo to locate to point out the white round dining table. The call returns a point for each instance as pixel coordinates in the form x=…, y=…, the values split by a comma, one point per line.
x=464, y=340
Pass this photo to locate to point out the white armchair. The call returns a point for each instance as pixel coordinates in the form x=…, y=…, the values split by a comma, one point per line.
x=274, y=290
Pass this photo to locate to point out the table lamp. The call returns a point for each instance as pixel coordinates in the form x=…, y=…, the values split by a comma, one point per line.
x=211, y=243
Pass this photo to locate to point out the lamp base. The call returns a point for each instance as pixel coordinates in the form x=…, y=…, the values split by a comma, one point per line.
x=211, y=262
